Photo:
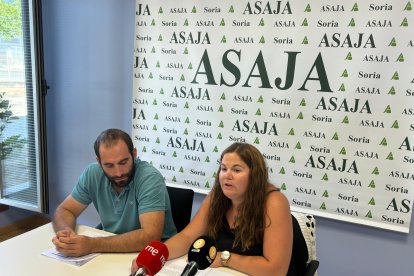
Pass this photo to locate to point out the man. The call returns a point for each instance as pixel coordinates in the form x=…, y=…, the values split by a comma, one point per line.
x=129, y=194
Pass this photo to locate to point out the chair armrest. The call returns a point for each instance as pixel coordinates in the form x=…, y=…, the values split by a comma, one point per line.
x=311, y=268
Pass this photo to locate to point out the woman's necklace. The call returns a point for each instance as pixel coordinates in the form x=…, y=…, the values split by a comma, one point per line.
x=235, y=220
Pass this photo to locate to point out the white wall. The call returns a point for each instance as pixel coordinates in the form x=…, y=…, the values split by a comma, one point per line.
x=88, y=60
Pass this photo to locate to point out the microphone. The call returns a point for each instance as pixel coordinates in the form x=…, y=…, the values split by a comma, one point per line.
x=200, y=255
x=151, y=259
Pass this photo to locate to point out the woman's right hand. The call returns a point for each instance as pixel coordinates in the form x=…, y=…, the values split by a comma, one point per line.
x=134, y=266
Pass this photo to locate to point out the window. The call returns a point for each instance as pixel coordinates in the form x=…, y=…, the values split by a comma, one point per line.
x=23, y=174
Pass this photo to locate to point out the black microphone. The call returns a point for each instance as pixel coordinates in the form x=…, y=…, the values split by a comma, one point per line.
x=200, y=255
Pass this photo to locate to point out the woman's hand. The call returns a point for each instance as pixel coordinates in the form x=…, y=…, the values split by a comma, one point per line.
x=134, y=266
x=217, y=261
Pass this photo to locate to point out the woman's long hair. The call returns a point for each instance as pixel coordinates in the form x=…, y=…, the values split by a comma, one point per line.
x=250, y=224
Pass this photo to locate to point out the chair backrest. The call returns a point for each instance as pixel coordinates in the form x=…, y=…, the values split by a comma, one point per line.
x=304, y=227
x=181, y=200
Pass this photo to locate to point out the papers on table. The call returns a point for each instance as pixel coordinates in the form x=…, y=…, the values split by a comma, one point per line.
x=78, y=261
x=176, y=267
x=52, y=253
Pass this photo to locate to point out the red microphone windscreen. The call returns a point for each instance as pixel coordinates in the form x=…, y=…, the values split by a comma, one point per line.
x=152, y=257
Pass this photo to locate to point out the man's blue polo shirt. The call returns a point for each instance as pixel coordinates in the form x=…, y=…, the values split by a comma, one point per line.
x=119, y=213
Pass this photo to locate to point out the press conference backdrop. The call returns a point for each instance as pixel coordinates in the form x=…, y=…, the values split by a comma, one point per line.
x=325, y=90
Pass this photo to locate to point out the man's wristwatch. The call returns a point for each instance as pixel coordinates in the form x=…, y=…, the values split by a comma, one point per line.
x=225, y=257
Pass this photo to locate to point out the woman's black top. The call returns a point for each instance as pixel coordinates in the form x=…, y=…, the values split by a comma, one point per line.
x=299, y=257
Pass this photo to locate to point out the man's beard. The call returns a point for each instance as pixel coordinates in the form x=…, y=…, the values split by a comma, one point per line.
x=129, y=175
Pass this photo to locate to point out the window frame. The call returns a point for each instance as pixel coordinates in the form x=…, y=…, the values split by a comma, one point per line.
x=33, y=40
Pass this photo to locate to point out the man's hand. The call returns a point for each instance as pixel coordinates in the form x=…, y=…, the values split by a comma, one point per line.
x=67, y=232
x=70, y=244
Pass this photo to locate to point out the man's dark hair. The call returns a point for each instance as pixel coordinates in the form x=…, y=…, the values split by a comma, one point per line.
x=111, y=136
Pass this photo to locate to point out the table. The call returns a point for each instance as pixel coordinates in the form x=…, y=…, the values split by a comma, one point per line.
x=21, y=256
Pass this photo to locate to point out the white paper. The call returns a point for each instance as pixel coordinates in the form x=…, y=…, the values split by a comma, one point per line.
x=78, y=261
x=176, y=267
x=52, y=253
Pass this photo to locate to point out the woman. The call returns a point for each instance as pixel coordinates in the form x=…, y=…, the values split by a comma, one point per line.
x=247, y=216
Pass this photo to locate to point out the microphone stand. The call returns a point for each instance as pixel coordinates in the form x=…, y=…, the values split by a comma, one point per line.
x=190, y=269
x=140, y=272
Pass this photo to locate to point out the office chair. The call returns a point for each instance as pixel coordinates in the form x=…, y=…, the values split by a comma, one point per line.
x=304, y=241
x=181, y=200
